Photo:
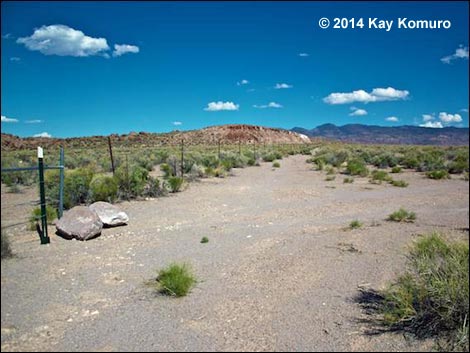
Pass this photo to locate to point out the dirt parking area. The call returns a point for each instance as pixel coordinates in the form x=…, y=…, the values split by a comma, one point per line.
x=280, y=271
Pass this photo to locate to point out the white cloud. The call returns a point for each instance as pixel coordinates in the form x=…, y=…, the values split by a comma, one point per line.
x=120, y=49
x=428, y=117
x=36, y=121
x=8, y=120
x=393, y=119
x=358, y=112
x=177, y=123
x=250, y=90
x=431, y=124
x=269, y=105
x=243, y=82
x=450, y=118
x=304, y=54
x=377, y=95
x=460, y=53
x=15, y=58
x=464, y=110
x=6, y=36
x=282, y=86
x=43, y=134
x=63, y=41
x=217, y=106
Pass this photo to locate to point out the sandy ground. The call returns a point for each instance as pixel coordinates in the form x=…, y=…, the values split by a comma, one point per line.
x=280, y=271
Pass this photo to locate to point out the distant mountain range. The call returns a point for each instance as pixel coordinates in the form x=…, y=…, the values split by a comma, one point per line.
x=412, y=135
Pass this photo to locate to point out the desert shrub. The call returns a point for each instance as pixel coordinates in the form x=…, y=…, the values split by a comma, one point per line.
x=330, y=178
x=357, y=167
x=103, y=188
x=204, y=240
x=348, y=180
x=251, y=162
x=210, y=160
x=76, y=186
x=175, y=183
x=385, y=160
x=14, y=189
x=330, y=170
x=402, y=215
x=438, y=174
x=167, y=170
x=355, y=224
x=51, y=215
x=176, y=280
x=154, y=188
x=431, y=298
x=271, y=156
x=396, y=169
x=459, y=164
x=6, y=248
x=380, y=175
x=276, y=165
x=131, y=181
x=399, y=183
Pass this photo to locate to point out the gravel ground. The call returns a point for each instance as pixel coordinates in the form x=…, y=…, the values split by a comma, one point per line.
x=280, y=271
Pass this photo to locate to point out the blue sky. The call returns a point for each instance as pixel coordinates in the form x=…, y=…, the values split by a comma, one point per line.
x=90, y=68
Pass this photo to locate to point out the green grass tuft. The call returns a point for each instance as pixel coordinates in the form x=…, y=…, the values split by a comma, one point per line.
x=399, y=183
x=355, y=224
x=276, y=165
x=204, y=240
x=402, y=215
x=438, y=174
x=176, y=280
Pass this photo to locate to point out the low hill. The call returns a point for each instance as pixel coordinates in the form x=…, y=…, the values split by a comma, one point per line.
x=226, y=134
x=412, y=135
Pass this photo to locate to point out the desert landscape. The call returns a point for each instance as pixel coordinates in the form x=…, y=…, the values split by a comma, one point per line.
x=290, y=250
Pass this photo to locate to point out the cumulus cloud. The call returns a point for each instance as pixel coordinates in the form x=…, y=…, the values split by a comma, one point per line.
x=304, y=54
x=177, y=123
x=36, y=121
x=217, y=106
x=450, y=118
x=377, y=95
x=8, y=120
x=358, y=112
x=121, y=49
x=393, y=119
x=464, y=110
x=43, y=134
x=269, y=105
x=243, y=82
x=282, y=86
x=428, y=117
x=460, y=53
x=63, y=41
x=432, y=124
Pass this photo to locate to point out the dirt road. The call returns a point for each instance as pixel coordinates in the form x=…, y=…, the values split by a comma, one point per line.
x=280, y=270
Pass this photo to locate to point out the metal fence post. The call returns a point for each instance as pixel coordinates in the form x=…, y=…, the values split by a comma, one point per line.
x=43, y=233
x=61, y=182
x=182, y=158
x=111, y=154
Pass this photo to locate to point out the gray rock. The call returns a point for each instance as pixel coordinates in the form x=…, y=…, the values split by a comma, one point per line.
x=109, y=214
x=80, y=223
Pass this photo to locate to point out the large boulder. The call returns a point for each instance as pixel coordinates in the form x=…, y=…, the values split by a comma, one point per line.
x=80, y=223
x=109, y=214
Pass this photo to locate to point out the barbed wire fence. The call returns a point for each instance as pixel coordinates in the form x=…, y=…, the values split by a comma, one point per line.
x=107, y=158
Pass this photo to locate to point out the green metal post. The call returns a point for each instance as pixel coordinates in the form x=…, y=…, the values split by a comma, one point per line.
x=43, y=234
x=61, y=182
